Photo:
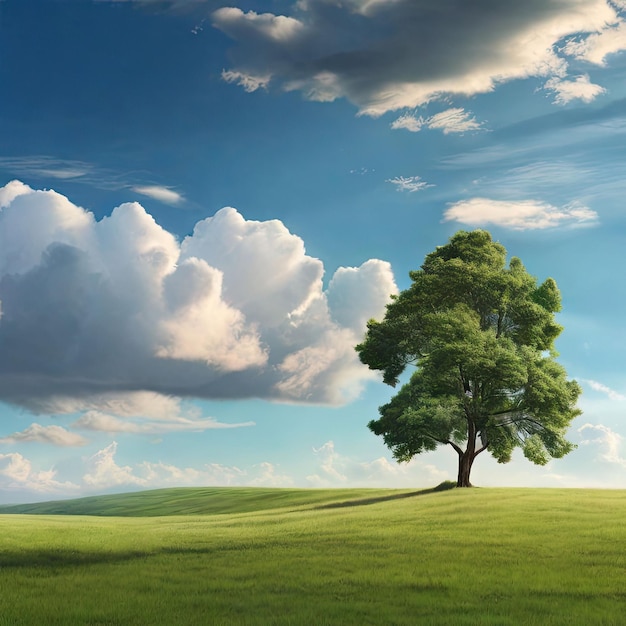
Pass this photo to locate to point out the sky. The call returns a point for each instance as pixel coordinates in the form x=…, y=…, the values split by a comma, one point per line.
x=202, y=204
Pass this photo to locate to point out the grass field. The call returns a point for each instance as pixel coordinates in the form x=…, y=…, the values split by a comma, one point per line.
x=471, y=556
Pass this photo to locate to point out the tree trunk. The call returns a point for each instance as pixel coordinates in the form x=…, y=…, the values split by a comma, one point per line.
x=467, y=458
x=465, y=467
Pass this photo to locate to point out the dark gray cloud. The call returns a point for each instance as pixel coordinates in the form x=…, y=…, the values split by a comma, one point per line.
x=390, y=54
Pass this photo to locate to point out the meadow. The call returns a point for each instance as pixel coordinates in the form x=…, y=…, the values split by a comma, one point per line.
x=315, y=557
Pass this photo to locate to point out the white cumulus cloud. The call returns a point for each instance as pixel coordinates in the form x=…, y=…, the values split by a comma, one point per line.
x=120, y=317
x=18, y=475
x=103, y=472
x=518, y=215
x=609, y=441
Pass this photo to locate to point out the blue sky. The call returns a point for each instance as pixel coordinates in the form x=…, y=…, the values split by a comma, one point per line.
x=202, y=204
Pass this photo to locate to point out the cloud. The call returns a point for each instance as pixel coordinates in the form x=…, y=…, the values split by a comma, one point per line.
x=17, y=474
x=611, y=393
x=578, y=89
x=103, y=472
x=118, y=316
x=608, y=440
x=335, y=469
x=453, y=121
x=46, y=167
x=386, y=55
x=43, y=167
x=456, y=120
x=409, y=122
x=518, y=215
x=265, y=26
x=329, y=460
x=250, y=82
x=598, y=46
x=269, y=476
x=55, y=435
x=162, y=194
x=409, y=183
x=98, y=421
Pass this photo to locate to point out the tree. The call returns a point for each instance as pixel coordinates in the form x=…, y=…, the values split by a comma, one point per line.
x=481, y=336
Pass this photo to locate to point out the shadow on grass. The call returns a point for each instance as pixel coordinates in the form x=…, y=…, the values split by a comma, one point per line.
x=444, y=486
x=64, y=558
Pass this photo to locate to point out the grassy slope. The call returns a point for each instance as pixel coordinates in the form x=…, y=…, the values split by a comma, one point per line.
x=200, y=501
x=482, y=556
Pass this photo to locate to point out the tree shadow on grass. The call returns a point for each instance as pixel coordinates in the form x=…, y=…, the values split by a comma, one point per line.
x=444, y=486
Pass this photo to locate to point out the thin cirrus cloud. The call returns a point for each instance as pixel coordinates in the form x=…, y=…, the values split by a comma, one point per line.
x=45, y=167
x=384, y=56
x=409, y=183
x=456, y=120
x=518, y=215
x=117, y=315
x=162, y=194
x=103, y=422
x=602, y=388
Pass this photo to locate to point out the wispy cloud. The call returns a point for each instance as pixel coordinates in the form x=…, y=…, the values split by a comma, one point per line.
x=250, y=82
x=45, y=167
x=98, y=421
x=162, y=194
x=611, y=393
x=55, y=435
x=453, y=121
x=518, y=215
x=456, y=120
x=409, y=183
x=410, y=122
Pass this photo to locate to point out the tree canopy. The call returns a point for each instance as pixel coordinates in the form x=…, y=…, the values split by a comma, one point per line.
x=481, y=336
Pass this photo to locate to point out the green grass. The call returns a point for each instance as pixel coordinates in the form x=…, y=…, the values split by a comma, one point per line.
x=201, y=501
x=476, y=556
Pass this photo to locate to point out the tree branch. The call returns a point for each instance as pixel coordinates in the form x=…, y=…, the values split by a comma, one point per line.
x=459, y=451
x=481, y=450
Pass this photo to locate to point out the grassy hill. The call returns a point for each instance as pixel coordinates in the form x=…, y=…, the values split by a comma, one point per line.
x=463, y=556
x=204, y=501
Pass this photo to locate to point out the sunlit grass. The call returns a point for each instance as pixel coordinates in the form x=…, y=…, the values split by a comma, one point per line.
x=482, y=556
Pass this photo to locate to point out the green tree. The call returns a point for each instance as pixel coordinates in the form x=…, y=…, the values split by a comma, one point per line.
x=481, y=336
